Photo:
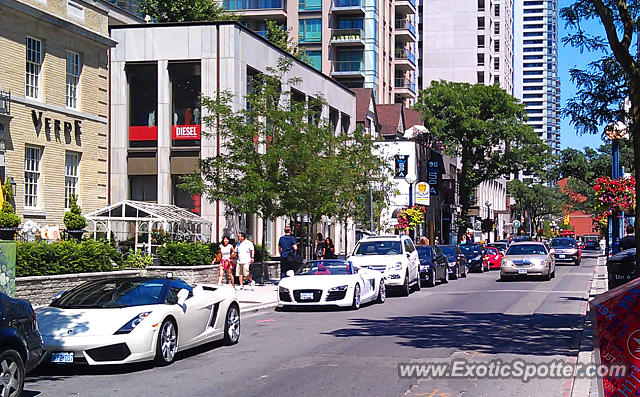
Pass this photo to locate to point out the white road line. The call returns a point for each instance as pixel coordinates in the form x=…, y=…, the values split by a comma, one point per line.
x=490, y=291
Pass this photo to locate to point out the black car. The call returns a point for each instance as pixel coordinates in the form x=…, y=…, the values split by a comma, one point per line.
x=433, y=265
x=592, y=243
x=456, y=260
x=566, y=250
x=21, y=344
x=473, y=253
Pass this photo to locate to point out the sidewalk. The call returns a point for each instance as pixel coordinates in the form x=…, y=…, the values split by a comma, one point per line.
x=589, y=387
x=258, y=298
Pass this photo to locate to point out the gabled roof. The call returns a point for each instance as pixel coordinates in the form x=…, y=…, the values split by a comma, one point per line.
x=412, y=118
x=390, y=117
x=364, y=97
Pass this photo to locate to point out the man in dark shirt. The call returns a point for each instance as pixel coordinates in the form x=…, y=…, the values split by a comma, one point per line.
x=287, y=248
x=628, y=241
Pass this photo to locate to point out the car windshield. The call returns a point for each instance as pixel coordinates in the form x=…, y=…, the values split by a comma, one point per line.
x=471, y=249
x=425, y=251
x=113, y=293
x=499, y=245
x=563, y=242
x=449, y=251
x=527, y=249
x=378, y=248
x=491, y=251
x=325, y=268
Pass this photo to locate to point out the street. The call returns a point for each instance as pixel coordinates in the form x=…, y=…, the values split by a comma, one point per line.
x=327, y=353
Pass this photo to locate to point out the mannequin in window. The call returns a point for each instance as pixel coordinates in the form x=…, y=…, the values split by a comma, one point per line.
x=152, y=119
x=175, y=118
x=188, y=117
x=196, y=116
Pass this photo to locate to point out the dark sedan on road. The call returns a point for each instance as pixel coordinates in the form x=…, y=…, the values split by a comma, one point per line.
x=21, y=344
x=433, y=265
x=566, y=250
x=592, y=243
x=473, y=254
x=457, y=261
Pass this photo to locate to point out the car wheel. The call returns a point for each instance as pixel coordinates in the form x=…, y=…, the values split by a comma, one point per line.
x=548, y=276
x=356, y=297
x=12, y=380
x=553, y=273
x=406, y=289
x=446, y=276
x=232, y=325
x=382, y=293
x=432, y=279
x=167, y=343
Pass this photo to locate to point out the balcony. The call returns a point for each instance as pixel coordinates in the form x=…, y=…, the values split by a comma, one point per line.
x=405, y=30
x=405, y=59
x=347, y=7
x=405, y=87
x=347, y=69
x=347, y=37
x=5, y=103
x=405, y=7
x=259, y=8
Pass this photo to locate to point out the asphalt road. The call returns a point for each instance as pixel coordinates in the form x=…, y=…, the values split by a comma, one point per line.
x=335, y=353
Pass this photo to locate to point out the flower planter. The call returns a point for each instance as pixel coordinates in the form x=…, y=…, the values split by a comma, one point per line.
x=8, y=233
x=76, y=234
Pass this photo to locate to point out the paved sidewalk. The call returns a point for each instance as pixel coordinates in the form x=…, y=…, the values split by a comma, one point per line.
x=599, y=285
x=258, y=298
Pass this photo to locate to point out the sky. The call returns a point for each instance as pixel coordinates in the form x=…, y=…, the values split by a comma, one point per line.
x=568, y=58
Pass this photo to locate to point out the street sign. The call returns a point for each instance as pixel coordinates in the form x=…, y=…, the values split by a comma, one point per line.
x=516, y=223
x=433, y=173
x=423, y=195
x=402, y=166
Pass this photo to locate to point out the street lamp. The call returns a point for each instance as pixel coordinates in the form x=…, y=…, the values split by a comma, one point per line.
x=488, y=204
x=615, y=132
x=410, y=179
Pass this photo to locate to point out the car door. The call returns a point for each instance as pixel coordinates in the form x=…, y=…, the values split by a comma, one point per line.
x=412, y=256
x=193, y=319
x=367, y=280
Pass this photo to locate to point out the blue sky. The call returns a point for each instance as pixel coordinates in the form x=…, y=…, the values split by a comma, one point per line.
x=568, y=58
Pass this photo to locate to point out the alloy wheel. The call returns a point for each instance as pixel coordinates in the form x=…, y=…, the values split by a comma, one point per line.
x=233, y=324
x=382, y=295
x=10, y=377
x=168, y=339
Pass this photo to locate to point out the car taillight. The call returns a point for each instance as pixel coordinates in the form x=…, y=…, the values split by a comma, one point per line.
x=35, y=321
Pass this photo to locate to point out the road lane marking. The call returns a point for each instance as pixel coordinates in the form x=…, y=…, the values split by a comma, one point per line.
x=505, y=290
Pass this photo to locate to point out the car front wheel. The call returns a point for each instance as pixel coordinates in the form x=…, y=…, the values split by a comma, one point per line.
x=167, y=342
x=382, y=293
x=432, y=278
x=406, y=290
x=446, y=276
x=418, y=286
x=356, y=297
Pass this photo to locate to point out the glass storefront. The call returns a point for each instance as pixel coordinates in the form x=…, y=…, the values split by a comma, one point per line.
x=186, y=109
x=143, y=103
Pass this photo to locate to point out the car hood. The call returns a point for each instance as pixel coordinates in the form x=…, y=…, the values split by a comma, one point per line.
x=315, y=281
x=57, y=322
x=376, y=260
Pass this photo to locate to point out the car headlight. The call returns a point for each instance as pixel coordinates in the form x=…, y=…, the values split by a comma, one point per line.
x=506, y=263
x=544, y=263
x=128, y=327
x=573, y=251
x=396, y=266
x=341, y=288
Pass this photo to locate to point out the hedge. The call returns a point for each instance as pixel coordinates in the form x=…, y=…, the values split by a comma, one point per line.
x=41, y=259
x=185, y=254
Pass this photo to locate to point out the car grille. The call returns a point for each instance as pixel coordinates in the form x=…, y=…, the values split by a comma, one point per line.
x=117, y=352
x=522, y=263
x=380, y=268
x=336, y=295
x=317, y=294
x=284, y=296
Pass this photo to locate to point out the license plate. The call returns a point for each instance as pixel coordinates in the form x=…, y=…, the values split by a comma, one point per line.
x=562, y=256
x=306, y=296
x=61, y=357
x=522, y=271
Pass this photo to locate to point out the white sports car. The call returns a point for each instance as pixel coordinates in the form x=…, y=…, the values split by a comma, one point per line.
x=126, y=320
x=332, y=282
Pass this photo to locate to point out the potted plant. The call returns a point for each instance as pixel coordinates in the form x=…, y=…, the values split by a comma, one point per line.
x=9, y=221
x=73, y=219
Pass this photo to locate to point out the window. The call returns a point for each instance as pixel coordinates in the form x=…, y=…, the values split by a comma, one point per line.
x=480, y=22
x=143, y=188
x=496, y=63
x=480, y=59
x=480, y=5
x=496, y=80
x=31, y=176
x=480, y=77
x=70, y=176
x=34, y=65
x=496, y=11
x=311, y=30
x=73, y=78
x=143, y=102
x=496, y=46
x=310, y=5
x=315, y=59
x=496, y=28
x=480, y=41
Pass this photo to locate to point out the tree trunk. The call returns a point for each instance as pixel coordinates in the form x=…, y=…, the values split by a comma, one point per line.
x=265, y=267
x=464, y=194
x=346, y=225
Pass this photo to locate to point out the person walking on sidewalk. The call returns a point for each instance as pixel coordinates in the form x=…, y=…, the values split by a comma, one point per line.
x=318, y=246
x=329, y=251
x=225, y=255
x=287, y=247
x=628, y=241
x=246, y=254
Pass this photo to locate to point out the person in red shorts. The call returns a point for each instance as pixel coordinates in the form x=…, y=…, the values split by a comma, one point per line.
x=225, y=254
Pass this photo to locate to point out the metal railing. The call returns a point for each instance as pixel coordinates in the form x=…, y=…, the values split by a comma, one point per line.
x=402, y=53
x=235, y=5
x=347, y=66
x=406, y=24
x=405, y=83
x=5, y=102
x=346, y=35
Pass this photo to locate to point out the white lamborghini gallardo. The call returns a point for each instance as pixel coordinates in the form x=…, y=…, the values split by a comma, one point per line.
x=126, y=320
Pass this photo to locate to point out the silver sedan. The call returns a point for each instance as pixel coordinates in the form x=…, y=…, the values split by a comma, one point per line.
x=528, y=258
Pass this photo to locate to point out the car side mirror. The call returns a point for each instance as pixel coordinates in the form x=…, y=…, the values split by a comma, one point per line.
x=56, y=296
x=183, y=294
x=290, y=273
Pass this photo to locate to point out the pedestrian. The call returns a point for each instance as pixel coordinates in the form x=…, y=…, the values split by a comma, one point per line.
x=423, y=241
x=246, y=255
x=318, y=246
x=287, y=247
x=225, y=255
x=628, y=241
x=329, y=250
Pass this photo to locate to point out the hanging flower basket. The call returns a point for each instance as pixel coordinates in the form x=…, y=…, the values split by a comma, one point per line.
x=410, y=217
x=613, y=197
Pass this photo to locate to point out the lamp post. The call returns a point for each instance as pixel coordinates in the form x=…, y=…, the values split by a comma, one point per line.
x=488, y=204
x=410, y=179
x=615, y=132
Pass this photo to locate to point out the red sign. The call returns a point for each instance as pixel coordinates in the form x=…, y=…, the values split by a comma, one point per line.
x=143, y=133
x=616, y=316
x=185, y=132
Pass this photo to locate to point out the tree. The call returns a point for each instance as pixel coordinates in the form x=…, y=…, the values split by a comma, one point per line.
x=609, y=89
x=484, y=126
x=279, y=35
x=535, y=200
x=185, y=10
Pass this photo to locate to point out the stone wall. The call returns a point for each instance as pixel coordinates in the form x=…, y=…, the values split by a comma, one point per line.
x=190, y=274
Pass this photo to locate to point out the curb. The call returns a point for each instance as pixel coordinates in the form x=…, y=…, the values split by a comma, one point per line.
x=267, y=307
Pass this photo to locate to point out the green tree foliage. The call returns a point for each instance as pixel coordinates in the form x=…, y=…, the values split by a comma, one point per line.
x=8, y=217
x=279, y=35
x=484, y=126
x=73, y=219
x=184, y=10
x=535, y=200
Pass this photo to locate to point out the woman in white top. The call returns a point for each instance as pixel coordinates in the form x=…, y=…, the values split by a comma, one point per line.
x=225, y=255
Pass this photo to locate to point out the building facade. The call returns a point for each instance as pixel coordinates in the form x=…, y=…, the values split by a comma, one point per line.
x=54, y=104
x=536, y=67
x=158, y=73
x=361, y=43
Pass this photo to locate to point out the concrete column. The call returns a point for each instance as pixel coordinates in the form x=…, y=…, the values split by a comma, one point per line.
x=164, y=133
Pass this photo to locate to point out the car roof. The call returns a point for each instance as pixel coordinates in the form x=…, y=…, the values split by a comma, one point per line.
x=515, y=244
x=386, y=237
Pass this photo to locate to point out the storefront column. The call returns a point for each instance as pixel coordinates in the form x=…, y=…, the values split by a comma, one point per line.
x=164, y=134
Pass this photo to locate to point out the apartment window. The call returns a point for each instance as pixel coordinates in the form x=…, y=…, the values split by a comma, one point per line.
x=311, y=30
x=75, y=10
x=480, y=59
x=70, y=176
x=496, y=80
x=496, y=46
x=496, y=28
x=480, y=77
x=32, y=158
x=315, y=59
x=73, y=78
x=480, y=22
x=481, y=5
x=496, y=63
x=496, y=11
x=34, y=66
x=480, y=41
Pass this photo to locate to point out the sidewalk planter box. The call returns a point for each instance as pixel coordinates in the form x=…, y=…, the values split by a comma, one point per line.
x=8, y=233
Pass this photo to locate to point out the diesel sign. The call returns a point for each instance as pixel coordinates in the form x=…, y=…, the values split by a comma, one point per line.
x=186, y=132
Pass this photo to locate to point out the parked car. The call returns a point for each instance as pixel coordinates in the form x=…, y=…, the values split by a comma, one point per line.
x=528, y=259
x=394, y=256
x=332, y=282
x=126, y=320
x=473, y=254
x=492, y=258
x=433, y=265
x=500, y=246
x=566, y=250
x=21, y=343
x=456, y=260
x=518, y=239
